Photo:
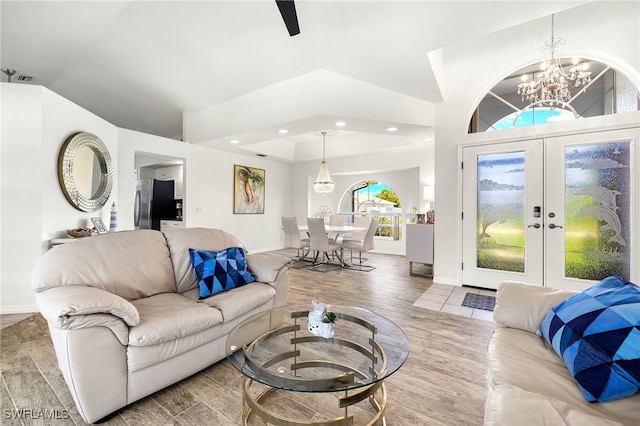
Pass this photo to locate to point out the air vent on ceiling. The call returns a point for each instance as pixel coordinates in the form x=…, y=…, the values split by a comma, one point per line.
x=24, y=78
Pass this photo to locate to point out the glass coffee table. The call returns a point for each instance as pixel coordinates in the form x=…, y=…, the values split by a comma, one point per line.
x=276, y=348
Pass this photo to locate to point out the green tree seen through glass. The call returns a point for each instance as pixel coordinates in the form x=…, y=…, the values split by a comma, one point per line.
x=389, y=195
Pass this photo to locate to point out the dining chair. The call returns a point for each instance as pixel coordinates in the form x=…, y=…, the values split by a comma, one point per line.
x=335, y=220
x=292, y=238
x=321, y=243
x=364, y=244
x=360, y=222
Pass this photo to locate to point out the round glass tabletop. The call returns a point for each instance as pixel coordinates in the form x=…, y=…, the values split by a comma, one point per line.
x=284, y=348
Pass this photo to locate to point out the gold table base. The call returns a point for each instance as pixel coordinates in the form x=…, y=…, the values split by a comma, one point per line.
x=346, y=381
x=254, y=406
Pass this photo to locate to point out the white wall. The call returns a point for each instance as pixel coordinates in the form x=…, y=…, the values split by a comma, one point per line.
x=208, y=198
x=21, y=194
x=35, y=124
x=60, y=119
x=605, y=31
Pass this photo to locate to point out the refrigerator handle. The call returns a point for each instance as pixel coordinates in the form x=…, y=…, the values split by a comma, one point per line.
x=136, y=210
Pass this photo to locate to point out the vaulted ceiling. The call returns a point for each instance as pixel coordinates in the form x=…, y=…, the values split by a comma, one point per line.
x=140, y=64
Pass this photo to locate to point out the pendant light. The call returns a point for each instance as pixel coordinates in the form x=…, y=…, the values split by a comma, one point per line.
x=323, y=183
x=550, y=87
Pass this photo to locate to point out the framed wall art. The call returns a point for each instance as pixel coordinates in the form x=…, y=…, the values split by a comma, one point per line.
x=248, y=190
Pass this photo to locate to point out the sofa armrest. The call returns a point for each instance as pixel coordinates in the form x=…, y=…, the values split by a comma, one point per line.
x=73, y=306
x=266, y=267
x=524, y=306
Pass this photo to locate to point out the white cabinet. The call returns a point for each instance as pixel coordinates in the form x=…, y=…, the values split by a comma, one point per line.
x=174, y=173
x=419, y=247
x=168, y=224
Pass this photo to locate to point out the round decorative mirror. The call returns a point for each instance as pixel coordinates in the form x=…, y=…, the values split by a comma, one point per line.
x=85, y=171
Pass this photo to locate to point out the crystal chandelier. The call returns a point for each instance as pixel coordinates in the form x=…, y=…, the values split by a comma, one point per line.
x=550, y=86
x=323, y=183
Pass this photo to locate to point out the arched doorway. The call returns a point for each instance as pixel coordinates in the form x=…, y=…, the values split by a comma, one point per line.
x=375, y=199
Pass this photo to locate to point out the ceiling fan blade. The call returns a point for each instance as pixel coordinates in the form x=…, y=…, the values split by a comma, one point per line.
x=289, y=16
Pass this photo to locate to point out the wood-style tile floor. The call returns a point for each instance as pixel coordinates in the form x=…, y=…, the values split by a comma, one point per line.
x=443, y=382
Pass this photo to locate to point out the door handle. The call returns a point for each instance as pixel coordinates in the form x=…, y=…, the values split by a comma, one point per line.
x=535, y=225
x=553, y=226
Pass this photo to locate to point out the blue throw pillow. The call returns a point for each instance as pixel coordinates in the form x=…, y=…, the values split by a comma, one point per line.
x=220, y=271
x=597, y=334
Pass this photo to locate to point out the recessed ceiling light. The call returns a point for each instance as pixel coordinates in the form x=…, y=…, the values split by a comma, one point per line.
x=341, y=123
x=283, y=131
x=234, y=141
x=391, y=129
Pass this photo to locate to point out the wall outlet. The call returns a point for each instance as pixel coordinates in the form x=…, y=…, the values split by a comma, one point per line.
x=198, y=209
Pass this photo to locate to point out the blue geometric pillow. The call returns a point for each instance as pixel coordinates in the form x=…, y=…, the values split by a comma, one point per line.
x=597, y=334
x=220, y=271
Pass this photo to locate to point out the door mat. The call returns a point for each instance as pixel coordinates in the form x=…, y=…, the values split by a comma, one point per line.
x=479, y=301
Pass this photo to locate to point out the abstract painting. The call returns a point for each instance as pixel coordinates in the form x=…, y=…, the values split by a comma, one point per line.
x=248, y=190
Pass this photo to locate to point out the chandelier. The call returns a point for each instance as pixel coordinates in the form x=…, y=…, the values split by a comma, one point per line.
x=551, y=85
x=323, y=183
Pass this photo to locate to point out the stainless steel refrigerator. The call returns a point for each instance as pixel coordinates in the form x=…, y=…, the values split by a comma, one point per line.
x=154, y=201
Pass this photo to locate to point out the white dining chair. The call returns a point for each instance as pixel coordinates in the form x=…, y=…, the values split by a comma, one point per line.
x=292, y=237
x=365, y=244
x=360, y=221
x=321, y=243
x=335, y=220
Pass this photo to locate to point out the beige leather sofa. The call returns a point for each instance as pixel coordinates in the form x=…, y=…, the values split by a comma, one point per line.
x=529, y=383
x=124, y=314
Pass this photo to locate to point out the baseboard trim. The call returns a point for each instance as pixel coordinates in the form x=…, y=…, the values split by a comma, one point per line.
x=19, y=309
x=446, y=281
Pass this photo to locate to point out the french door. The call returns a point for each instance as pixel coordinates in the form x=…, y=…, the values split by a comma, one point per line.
x=553, y=211
x=502, y=213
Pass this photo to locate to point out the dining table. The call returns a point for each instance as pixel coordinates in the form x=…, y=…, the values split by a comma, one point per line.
x=338, y=230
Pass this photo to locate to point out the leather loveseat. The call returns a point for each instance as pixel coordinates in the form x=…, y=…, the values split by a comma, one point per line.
x=125, y=317
x=529, y=384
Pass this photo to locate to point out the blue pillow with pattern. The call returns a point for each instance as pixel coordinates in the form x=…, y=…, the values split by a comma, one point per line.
x=220, y=271
x=597, y=334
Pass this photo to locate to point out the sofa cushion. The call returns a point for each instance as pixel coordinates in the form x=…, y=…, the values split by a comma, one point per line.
x=597, y=334
x=220, y=271
x=180, y=240
x=509, y=405
x=524, y=360
x=170, y=316
x=141, y=357
x=237, y=302
x=130, y=264
x=511, y=312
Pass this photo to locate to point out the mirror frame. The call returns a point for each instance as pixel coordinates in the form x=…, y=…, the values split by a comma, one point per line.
x=66, y=159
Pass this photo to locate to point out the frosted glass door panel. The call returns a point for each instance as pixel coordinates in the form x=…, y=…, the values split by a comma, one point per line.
x=597, y=216
x=502, y=236
x=589, y=208
x=500, y=211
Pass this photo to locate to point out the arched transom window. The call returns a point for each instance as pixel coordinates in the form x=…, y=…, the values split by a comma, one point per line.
x=607, y=92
